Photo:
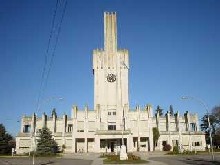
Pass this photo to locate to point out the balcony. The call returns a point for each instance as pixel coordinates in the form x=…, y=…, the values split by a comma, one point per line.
x=22, y=134
x=68, y=134
x=57, y=134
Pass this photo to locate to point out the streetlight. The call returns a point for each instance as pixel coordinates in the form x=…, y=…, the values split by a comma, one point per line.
x=34, y=135
x=47, y=101
x=207, y=111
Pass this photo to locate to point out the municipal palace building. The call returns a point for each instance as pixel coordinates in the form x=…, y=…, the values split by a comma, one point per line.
x=112, y=122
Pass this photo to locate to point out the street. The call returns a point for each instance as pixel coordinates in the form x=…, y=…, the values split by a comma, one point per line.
x=43, y=161
x=155, y=158
x=203, y=159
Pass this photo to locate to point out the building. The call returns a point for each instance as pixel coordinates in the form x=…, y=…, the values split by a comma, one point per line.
x=112, y=122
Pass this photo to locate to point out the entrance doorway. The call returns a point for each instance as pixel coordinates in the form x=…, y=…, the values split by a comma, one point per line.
x=109, y=145
x=112, y=145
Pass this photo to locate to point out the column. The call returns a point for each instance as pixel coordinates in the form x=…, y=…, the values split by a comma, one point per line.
x=85, y=145
x=129, y=143
x=44, y=118
x=138, y=143
x=54, y=123
x=73, y=145
x=64, y=129
x=151, y=140
x=22, y=126
x=97, y=144
x=33, y=123
x=168, y=127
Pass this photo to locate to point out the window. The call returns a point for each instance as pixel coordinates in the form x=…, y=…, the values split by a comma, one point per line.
x=109, y=113
x=196, y=143
x=114, y=113
x=192, y=126
x=27, y=128
x=80, y=126
x=164, y=143
x=111, y=127
x=91, y=126
x=70, y=128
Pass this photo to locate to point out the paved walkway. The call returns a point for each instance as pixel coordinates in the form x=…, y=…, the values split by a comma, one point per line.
x=99, y=161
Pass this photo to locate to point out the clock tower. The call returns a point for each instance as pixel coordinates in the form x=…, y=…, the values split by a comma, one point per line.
x=110, y=68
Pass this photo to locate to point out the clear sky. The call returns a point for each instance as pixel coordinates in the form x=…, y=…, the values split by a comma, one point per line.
x=173, y=45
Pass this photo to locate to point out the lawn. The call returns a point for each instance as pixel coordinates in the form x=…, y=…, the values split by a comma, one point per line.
x=115, y=159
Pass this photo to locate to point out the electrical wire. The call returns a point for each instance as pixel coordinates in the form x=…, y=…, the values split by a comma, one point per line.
x=48, y=59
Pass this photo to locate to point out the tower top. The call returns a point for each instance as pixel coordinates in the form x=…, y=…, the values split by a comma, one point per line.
x=110, y=32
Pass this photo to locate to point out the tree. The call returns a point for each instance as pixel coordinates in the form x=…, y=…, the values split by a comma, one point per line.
x=214, y=118
x=159, y=110
x=46, y=144
x=6, y=141
x=156, y=135
x=216, y=113
x=205, y=125
x=171, y=111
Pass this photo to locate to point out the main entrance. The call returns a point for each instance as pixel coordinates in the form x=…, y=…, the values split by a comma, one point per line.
x=110, y=145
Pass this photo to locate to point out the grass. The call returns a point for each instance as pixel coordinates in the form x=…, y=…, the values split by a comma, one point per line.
x=115, y=159
x=186, y=152
x=107, y=161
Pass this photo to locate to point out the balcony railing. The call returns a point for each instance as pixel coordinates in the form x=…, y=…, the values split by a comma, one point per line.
x=23, y=134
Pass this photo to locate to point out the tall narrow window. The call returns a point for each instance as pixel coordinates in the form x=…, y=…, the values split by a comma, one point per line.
x=27, y=128
x=192, y=127
x=70, y=128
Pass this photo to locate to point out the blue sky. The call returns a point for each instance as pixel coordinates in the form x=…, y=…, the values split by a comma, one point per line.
x=174, y=50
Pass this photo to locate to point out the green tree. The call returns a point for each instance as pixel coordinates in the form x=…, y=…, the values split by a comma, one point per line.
x=159, y=110
x=216, y=113
x=204, y=123
x=46, y=144
x=156, y=135
x=214, y=118
x=6, y=141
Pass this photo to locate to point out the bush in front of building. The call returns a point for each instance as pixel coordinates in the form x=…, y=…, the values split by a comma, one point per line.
x=113, y=157
x=166, y=147
x=46, y=144
x=133, y=157
x=175, y=150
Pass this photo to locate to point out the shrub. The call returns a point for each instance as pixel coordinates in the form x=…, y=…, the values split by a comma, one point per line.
x=167, y=147
x=175, y=149
x=133, y=157
x=112, y=157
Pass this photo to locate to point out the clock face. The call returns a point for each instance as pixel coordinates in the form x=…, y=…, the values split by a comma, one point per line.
x=111, y=77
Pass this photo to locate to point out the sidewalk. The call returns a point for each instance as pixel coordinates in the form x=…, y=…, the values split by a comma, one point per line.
x=99, y=161
x=148, y=155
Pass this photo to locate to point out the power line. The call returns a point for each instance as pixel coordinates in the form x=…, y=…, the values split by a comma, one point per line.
x=46, y=55
x=56, y=42
x=49, y=57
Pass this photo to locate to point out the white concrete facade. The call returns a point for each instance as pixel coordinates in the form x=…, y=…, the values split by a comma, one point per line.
x=112, y=122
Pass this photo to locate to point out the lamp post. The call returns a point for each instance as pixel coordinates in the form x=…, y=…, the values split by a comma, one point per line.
x=123, y=153
x=209, y=125
x=34, y=134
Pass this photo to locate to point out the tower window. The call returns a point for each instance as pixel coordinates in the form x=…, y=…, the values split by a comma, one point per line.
x=70, y=128
x=111, y=127
x=27, y=128
x=192, y=126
